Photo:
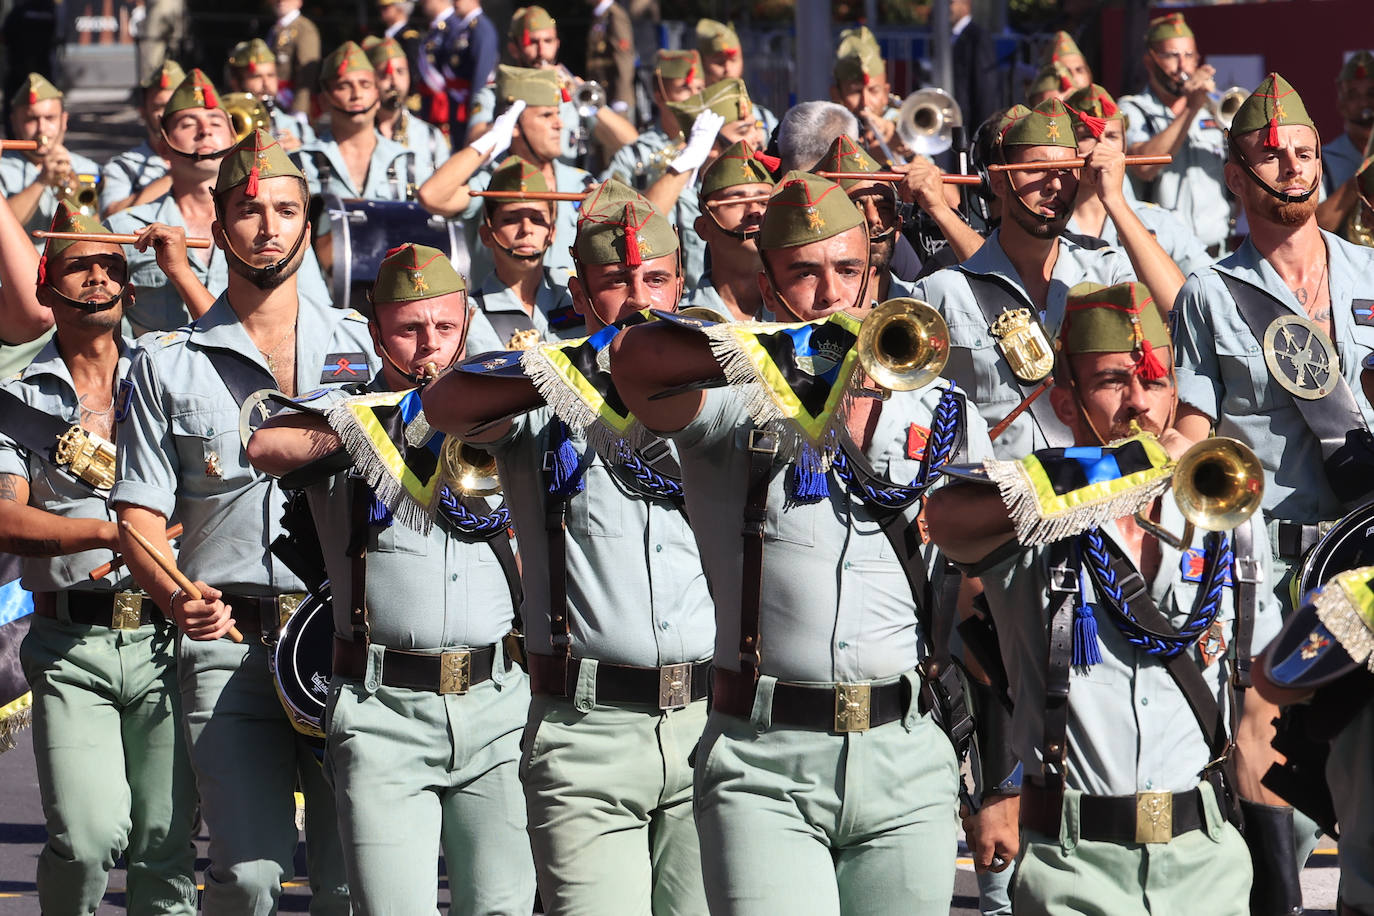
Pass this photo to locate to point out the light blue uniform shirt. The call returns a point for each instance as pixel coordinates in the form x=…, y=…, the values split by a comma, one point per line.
x=1130, y=728
x=683, y=217
x=284, y=120
x=428, y=142
x=1176, y=239
x=1222, y=372
x=158, y=306
x=388, y=173
x=636, y=592
x=47, y=385
x=181, y=416
x=1340, y=159
x=837, y=606
x=1193, y=185
x=558, y=259
x=494, y=296
x=17, y=173
x=975, y=363
x=130, y=171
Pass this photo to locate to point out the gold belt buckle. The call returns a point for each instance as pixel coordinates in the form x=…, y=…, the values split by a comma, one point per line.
x=455, y=671
x=128, y=611
x=852, y=707
x=1154, y=817
x=287, y=605
x=675, y=686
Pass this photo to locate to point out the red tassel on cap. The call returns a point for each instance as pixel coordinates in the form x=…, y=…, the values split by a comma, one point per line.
x=563, y=92
x=33, y=96
x=43, y=270
x=867, y=79
x=1272, y=140
x=211, y=100
x=729, y=52
x=394, y=250
x=1094, y=125
x=253, y=67
x=1149, y=367
x=691, y=73
x=525, y=37
x=343, y=66
x=771, y=163
x=251, y=189
x=632, y=257
x=162, y=80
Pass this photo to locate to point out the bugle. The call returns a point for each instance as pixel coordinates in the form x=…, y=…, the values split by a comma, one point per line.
x=1218, y=484
x=903, y=344
x=926, y=121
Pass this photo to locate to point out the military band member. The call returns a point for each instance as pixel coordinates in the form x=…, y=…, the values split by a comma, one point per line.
x=611, y=54
x=617, y=616
x=1270, y=341
x=138, y=175
x=33, y=180
x=677, y=76
x=426, y=709
x=252, y=67
x=1099, y=122
x=1342, y=156
x=861, y=86
x=518, y=298
x=722, y=56
x=174, y=284
x=394, y=119
x=529, y=126
x=1016, y=285
x=112, y=767
x=395, y=16
x=1171, y=116
x=817, y=632
x=1125, y=806
x=295, y=41
x=1065, y=52
x=457, y=56
x=733, y=194
x=1052, y=81
x=712, y=120
x=180, y=452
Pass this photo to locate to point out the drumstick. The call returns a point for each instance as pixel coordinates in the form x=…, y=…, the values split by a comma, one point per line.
x=170, y=568
x=896, y=176
x=113, y=238
x=1034, y=164
x=756, y=199
x=531, y=195
x=1019, y=409
x=101, y=572
x=18, y=145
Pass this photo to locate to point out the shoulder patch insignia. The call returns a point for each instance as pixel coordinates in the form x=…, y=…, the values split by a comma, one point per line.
x=916, y=438
x=1363, y=311
x=123, y=396
x=355, y=315
x=345, y=367
x=1191, y=565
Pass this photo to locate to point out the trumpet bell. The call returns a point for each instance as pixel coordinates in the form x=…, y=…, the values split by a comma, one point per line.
x=926, y=121
x=246, y=113
x=1218, y=484
x=1228, y=104
x=903, y=344
x=588, y=98
x=471, y=470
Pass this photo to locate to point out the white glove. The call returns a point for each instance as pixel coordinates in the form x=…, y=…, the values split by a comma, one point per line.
x=497, y=140
x=699, y=142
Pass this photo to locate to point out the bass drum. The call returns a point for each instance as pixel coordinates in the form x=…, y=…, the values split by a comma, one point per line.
x=1348, y=545
x=365, y=230
x=302, y=662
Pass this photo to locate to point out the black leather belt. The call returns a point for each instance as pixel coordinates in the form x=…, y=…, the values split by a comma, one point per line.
x=444, y=672
x=1294, y=539
x=258, y=614
x=1146, y=817
x=830, y=707
x=666, y=687
x=116, y=610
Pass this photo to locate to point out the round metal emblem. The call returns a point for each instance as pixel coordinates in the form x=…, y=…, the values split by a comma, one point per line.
x=1301, y=358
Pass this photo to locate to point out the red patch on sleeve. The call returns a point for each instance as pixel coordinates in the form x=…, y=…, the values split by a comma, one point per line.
x=916, y=437
x=624, y=44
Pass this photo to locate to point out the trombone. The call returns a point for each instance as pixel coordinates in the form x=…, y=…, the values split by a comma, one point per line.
x=903, y=344
x=1217, y=484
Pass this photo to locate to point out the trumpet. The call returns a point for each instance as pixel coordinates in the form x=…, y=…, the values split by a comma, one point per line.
x=903, y=344
x=1217, y=484
x=1224, y=106
x=588, y=97
x=472, y=470
x=246, y=114
x=926, y=121
x=79, y=191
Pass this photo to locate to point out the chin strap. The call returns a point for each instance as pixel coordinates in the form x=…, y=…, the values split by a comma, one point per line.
x=861, y=301
x=91, y=308
x=422, y=378
x=1282, y=197
x=195, y=157
x=262, y=273
x=538, y=256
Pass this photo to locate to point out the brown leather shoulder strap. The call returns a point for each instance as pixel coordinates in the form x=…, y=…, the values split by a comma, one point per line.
x=763, y=449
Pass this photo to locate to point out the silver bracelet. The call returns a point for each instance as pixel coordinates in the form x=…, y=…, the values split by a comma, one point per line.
x=172, y=601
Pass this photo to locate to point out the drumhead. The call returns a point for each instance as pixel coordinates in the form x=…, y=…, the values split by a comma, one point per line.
x=365, y=230
x=1348, y=545
x=302, y=662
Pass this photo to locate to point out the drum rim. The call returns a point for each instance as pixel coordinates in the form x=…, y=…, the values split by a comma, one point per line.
x=320, y=600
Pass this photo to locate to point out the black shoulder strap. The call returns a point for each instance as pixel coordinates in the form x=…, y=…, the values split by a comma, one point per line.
x=763, y=449
x=38, y=432
x=993, y=299
x=1246, y=576
x=239, y=375
x=505, y=323
x=1329, y=418
x=505, y=555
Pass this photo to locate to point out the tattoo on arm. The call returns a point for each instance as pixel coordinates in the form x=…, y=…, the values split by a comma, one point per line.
x=33, y=547
x=7, y=488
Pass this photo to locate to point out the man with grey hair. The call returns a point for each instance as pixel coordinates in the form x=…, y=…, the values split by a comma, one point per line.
x=807, y=130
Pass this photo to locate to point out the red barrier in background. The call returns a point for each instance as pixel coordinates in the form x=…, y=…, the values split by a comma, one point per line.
x=1304, y=40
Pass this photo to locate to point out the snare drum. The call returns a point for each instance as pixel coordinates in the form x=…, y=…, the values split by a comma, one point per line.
x=365, y=230
x=1348, y=545
x=302, y=662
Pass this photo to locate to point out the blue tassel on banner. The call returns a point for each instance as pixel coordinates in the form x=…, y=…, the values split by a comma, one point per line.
x=563, y=470
x=806, y=482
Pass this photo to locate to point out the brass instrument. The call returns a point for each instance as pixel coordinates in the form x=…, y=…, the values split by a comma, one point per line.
x=927, y=120
x=1224, y=106
x=79, y=191
x=246, y=113
x=651, y=168
x=588, y=97
x=1218, y=484
x=903, y=344
x=704, y=313
x=471, y=470
x=892, y=156
x=1357, y=228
